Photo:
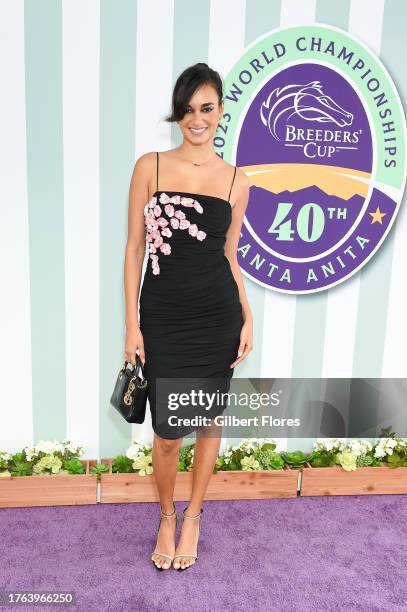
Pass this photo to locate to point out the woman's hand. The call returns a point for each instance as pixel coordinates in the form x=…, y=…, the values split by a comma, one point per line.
x=246, y=342
x=134, y=342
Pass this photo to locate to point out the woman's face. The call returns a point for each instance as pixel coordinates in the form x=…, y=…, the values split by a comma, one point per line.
x=204, y=114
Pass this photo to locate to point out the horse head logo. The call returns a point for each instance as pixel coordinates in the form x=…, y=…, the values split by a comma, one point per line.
x=306, y=101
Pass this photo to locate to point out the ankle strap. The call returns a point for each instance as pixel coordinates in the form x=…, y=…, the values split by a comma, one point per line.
x=170, y=514
x=191, y=517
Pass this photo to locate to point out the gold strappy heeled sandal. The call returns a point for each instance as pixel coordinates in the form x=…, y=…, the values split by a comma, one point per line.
x=156, y=552
x=195, y=556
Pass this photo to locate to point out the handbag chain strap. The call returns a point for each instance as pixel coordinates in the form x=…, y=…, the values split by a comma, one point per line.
x=128, y=395
x=128, y=398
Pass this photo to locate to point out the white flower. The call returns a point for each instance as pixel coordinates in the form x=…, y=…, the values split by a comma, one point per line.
x=73, y=448
x=339, y=443
x=48, y=447
x=246, y=444
x=402, y=443
x=329, y=444
x=30, y=452
x=359, y=447
x=385, y=447
x=133, y=453
x=137, y=450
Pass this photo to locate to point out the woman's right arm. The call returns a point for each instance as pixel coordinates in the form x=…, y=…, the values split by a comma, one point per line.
x=134, y=254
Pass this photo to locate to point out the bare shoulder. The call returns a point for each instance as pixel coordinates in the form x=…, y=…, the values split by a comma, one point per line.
x=242, y=187
x=242, y=178
x=141, y=178
x=146, y=161
x=143, y=171
x=168, y=153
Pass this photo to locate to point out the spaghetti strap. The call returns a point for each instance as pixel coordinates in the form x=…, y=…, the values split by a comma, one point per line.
x=157, y=170
x=234, y=174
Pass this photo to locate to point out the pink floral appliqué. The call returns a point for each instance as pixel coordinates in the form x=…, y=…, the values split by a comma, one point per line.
x=158, y=226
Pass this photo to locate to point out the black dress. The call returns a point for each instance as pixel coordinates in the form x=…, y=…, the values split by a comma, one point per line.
x=190, y=311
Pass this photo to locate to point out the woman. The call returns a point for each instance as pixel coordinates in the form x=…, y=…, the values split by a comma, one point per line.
x=195, y=320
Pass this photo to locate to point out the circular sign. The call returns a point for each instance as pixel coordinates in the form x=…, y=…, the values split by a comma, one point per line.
x=315, y=121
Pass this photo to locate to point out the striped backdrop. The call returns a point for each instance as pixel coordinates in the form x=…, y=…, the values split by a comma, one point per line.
x=85, y=84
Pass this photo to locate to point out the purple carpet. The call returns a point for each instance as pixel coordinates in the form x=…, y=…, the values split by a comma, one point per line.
x=304, y=554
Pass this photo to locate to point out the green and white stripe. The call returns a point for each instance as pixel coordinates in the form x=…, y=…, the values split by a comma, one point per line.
x=85, y=86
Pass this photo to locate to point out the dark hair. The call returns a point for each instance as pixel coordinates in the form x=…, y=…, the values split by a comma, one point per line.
x=188, y=81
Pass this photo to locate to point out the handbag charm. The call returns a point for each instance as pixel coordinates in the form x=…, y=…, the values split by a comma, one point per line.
x=128, y=398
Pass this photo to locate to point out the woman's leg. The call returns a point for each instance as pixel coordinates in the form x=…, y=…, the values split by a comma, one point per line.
x=205, y=455
x=165, y=457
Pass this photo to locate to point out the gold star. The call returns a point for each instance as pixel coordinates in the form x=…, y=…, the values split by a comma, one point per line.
x=377, y=216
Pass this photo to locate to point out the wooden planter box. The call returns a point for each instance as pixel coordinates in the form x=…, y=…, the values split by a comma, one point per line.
x=55, y=490
x=364, y=481
x=122, y=488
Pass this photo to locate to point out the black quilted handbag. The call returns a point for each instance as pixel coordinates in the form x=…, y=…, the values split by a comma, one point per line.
x=129, y=396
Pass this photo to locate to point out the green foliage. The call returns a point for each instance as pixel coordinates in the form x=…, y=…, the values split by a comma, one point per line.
x=20, y=457
x=122, y=464
x=45, y=464
x=396, y=460
x=268, y=446
x=20, y=468
x=98, y=469
x=392, y=452
x=352, y=453
x=185, y=462
x=4, y=460
x=321, y=459
x=364, y=460
x=250, y=454
x=269, y=459
x=74, y=466
x=295, y=459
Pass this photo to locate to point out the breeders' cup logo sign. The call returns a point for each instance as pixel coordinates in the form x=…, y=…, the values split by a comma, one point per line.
x=315, y=121
x=305, y=101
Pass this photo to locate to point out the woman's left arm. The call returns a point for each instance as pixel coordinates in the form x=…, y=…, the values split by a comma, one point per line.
x=241, y=190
